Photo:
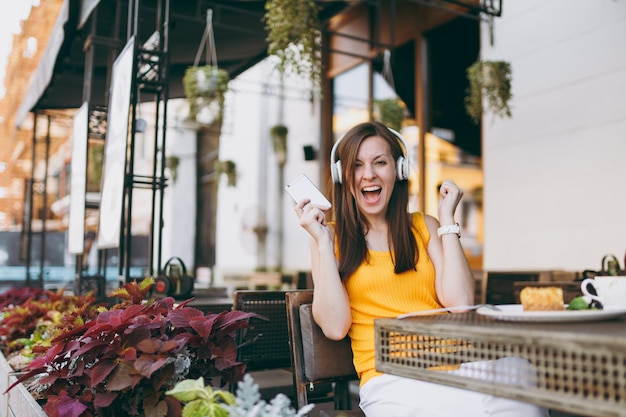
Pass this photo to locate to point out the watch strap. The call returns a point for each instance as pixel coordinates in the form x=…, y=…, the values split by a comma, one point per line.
x=449, y=229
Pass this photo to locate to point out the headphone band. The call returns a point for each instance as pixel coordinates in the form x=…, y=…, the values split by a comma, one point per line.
x=402, y=164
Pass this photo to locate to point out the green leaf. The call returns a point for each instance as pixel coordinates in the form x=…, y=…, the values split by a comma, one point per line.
x=200, y=408
x=225, y=396
x=189, y=390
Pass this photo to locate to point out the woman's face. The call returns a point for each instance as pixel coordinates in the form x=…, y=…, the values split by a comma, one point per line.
x=374, y=176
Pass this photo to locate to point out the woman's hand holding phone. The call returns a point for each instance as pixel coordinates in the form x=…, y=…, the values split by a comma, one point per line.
x=303, y=188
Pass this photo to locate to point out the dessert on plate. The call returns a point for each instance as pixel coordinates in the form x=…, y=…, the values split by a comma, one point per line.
x=542, y=299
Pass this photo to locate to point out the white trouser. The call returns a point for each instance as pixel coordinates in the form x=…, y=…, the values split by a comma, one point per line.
x=394, y=396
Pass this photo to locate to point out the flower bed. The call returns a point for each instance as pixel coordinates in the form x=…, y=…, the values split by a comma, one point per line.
x=92, y=360
x=140, y=357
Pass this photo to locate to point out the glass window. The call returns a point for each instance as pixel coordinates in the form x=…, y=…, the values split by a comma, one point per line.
x=350, y=99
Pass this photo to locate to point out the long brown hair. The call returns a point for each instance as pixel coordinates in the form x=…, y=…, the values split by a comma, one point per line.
x=351, y=227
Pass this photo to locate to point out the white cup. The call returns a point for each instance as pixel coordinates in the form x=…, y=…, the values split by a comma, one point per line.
x=611, y=290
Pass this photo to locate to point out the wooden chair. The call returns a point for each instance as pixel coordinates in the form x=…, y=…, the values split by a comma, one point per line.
x=263, y=348
x=317, y=360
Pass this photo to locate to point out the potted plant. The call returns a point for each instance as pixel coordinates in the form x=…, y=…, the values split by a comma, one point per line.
x=278, y=134
x=229, y=168
x=205, y=88
x=390, y=112
x=172, y=162
x=294, y=30
x=123, y=361
x=489, y=89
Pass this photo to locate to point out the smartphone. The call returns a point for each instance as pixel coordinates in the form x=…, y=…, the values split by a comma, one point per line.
x=302, y=187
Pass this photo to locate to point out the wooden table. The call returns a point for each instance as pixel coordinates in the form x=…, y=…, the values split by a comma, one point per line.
x=576, y=367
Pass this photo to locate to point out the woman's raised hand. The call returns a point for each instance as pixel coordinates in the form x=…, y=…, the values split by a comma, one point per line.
x=451, y=195
x=312, y=219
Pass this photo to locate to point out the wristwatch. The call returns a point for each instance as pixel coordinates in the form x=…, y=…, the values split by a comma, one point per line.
x=452, y=228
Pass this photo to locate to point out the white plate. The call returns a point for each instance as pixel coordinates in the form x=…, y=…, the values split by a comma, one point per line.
x=515, y=312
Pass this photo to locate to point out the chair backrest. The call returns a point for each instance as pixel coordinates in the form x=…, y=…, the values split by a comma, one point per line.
x=498, y=285
x=317, y=359
x=263, y=346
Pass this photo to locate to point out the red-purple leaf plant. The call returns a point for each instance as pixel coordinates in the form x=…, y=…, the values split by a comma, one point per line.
x=123, y=361
x=15, y=296
x=30, y=315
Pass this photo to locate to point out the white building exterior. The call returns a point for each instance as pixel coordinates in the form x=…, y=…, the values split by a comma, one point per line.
x=555, y=173
x=252, y=108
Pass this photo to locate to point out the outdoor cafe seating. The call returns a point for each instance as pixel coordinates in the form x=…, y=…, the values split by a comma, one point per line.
x=314, y=369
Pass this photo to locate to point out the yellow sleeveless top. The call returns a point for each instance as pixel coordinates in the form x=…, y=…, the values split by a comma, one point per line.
x=375, y=291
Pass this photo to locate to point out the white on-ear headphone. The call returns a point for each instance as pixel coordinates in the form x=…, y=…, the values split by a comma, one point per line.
x=402, y=164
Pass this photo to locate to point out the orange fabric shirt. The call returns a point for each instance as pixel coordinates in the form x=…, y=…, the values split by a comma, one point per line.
x=375, y=291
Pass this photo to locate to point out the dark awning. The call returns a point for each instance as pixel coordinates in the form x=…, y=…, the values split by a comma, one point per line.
x=239, y=38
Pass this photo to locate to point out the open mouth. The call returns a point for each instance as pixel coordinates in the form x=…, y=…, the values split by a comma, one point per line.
x=371, y=193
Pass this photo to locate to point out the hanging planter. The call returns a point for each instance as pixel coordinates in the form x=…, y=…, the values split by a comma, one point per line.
x=205, y=89
x=230, y=169
x=294, y=33
x=489, y=89
x=206, y=85
x=172, y=162
x=390, y=112
x=278, y=133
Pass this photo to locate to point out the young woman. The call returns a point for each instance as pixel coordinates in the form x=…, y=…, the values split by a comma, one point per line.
x=377, y=260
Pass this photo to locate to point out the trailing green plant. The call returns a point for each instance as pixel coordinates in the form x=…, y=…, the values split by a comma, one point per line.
x=95, y=159
x=205, y=89
x=123, y=361
x=202, y=401
x=390, y=112
x=172, y=162
x=229, y=168
x=294, y=32
x=489, y=89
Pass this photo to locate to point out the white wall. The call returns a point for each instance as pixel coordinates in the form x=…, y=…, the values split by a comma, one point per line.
x=179, y=199
x=179, y=204
x=252, y=108
x=555, y=173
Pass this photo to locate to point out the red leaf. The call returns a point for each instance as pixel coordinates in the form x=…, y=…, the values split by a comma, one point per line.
x=132, y=311
x=184, y=303
x=149, y=346
x=125, y=376
x=73, y=333
x=180, y=317
x=64, y=406
x=152, y=406
x=146, y=365
x=128, y=354
x=166, y=303
x=230, y=321
x=90, y=345
x=171, y=345
x=101, y=370
x=104, y=399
